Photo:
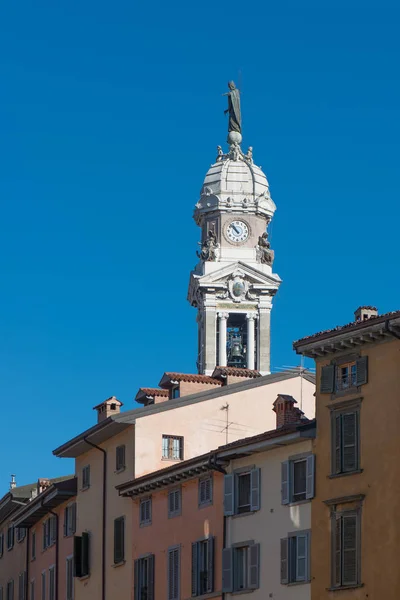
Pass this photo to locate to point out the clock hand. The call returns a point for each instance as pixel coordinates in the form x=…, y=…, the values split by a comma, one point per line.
x=235, y=228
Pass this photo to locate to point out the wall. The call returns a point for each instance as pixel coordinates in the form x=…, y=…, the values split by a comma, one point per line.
x=271, y=523
x=202, y=424
x=186, y=387
x=379, y=481
x=194, y=523
x=12, y=562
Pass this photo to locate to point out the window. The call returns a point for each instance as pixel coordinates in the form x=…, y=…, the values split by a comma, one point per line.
x=241, y=567
x=52, y=583
x=346, y=548
x=174, y=566
x=21, y=533
x=345, y=375
x=49, y=532
x=145, y=511
x=33, y=545
x=174, y=502
x=295, y=558
x=345, y=440
x=172, y=447
x=31, y=590
x=21, y=586
x=144, y=578
x=203, y=567
x=119, y=540
x=43, y=596
x=69, y=584
x=120, y=458
x=298, y=476
x=86, y=477
x=10, y=538
x=175, y=392
x=242, y=492
x=10, y=590
x=1, y=545
x=205, y=491
x=81, y=554
x=70, y=519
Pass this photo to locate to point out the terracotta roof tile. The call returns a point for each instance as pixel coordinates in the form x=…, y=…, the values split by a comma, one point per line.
x=191, y=378
x=354, y=325
x=236, y=372
x=153, y=392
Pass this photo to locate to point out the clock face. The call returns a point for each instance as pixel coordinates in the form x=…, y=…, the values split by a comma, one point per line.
x=238, y=231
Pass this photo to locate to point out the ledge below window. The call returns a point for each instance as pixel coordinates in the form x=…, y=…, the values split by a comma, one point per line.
x=336, y=475
x=118, y=564
x=345, y=587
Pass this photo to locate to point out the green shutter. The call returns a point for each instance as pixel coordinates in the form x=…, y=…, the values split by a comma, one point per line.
x=327, y=384
x=362, y=370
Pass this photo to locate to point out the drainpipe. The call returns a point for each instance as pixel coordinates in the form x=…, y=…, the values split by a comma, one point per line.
x=213, y=465
x=57, y=549
x=103, y=550
x=393, y=333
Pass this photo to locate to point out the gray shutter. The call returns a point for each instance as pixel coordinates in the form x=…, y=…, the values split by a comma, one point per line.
x=349, y=560
x=301, y=557
x=229, y=496
x=336, y=443
x=337, y=548
x=362, y=370
x=310, y=476
x=65, y=521
x=210, y=566
x=254, y=566
x=73, y=526
x=136, y=580
x=327, y=379
x=150, y=582
x=195, y=568
x=285, y=482
x=284, y=560
x=255, y=489
x=349, y=441
x=227, y=570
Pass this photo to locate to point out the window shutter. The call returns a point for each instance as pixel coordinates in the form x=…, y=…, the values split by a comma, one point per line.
x=77, y=556
x=254, y=567
x=136, y=580
x=301, y=558
x=181, y=448
x=337, y=444
x=255, y=489
x=66, y=521
x=362, y=370
x=210, y=566
x=337, y=547
x=349, y=442
x=285, y=482
x=85, y=553
x=227, y=570
x=73, y=520
x=53, y=529
x=195, y=569
x=229, y=496
x=44, y=537
x=150, y=578
x=349, y=560
x=284, y=561
x=119, y=526
x=310, y=476
x=327, y=385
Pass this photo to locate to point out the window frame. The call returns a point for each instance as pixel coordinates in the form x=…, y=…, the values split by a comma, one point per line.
x=10, y=585
x=119, y=545
x=144, y=501
x=231, y=491
x=337, y=412
x=120, y=458
x=290, y=558
x=10, y=537
x=230, y=564
x=43, y=585
x=339, y=515
x=69, y=582
x=203, y=551
x=33, y=545
x=176, y=595
x=32, y=589
x=144, y=563
x=85, y=477
x=21, y=534
x=176, y=512
x=169, y=447
x=288, y=479
x=70, y=519
x=22, y=585
x=1, y=545
x=52, y=582
x=203, y=482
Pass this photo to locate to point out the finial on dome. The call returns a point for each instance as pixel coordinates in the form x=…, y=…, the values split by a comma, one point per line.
x=235, y=117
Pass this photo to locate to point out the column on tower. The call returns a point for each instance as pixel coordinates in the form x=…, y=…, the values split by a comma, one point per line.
x=209, y=335
x=222, y=321
x=251, y=316
x=263, y=342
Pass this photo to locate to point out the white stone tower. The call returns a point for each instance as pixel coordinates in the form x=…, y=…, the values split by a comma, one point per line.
x=232, y=285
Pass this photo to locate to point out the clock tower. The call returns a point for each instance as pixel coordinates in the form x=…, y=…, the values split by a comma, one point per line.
x=233, y=284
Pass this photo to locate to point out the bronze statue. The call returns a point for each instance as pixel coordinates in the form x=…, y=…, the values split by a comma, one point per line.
x=266, y=254
x=235, y=118
x=208, y=247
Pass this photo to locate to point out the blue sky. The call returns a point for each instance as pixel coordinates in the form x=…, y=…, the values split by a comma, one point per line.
x=110, y=114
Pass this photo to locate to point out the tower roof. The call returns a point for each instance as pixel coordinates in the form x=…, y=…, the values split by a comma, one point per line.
x=234, y=182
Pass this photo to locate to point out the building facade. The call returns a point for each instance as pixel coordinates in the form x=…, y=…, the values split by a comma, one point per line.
x=355, y=511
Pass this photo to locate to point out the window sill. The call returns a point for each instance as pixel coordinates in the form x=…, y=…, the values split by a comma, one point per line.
x=239, y=592
x=336, y=475
x=345, y=587
x=145, y=524
x=298, y=502
x=293, y=583
x=118, y=564
x=206, y=596
x=205, y=504
x=347, y=392
x=165, y=458
x=173, y=515
x=85, y=489
x=244, y=514
x=121, y=470
x=83, y=578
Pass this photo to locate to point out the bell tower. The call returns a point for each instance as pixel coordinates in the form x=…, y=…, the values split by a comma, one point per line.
x=233, y=284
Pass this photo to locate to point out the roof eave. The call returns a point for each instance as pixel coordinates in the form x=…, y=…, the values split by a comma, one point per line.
x=97, y=434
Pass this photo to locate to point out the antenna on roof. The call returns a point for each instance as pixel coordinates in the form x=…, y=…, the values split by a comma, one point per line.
x=13, y=483
x=226, y=428
x=300, y=370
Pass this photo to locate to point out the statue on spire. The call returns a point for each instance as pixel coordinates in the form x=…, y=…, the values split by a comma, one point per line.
x=235, y=117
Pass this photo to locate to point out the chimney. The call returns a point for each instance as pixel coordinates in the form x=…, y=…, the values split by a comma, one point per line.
x=363, y=313
x=13, y=483
x=111, y=406
x=286, y=411
x=42, y=485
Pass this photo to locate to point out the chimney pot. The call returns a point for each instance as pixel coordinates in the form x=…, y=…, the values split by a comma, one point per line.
x=111, y=406
x=286, y=411
x=363, y=313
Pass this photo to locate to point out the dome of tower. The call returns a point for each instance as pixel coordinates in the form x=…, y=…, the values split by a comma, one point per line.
x=234, y=182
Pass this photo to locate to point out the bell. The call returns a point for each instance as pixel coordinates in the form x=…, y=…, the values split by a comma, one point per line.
x=236, y=348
